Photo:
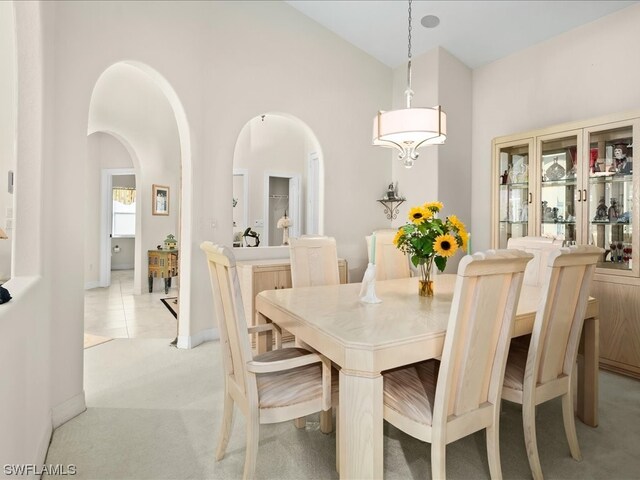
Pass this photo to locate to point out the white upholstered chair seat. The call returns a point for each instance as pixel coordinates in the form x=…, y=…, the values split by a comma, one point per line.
x=410, y=391
x=288, y=387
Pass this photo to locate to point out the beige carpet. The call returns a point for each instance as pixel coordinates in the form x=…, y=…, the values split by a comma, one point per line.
x=93, y=340
x=153, y=413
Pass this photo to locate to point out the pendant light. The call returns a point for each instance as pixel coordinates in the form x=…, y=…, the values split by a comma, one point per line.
x=410, y=128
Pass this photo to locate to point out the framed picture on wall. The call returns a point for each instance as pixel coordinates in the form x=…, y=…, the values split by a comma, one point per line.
x=160, y=200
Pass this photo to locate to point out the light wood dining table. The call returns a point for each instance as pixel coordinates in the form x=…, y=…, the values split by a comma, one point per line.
x=367, y=339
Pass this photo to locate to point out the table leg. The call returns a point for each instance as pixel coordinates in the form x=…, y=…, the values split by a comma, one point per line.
x=588, y=372
x=264, y=341
x=361, y=439
x=166, y=285
x=150, y=283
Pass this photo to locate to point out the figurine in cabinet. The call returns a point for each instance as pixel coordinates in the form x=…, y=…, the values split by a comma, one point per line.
x=613, y=211
x=623, y=163
x=602, y=213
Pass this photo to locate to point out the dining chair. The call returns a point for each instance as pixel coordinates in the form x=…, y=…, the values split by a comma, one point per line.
x=276, y=386
x=441, y=402
x=540, y=247
x=314, y=261
x=390, y=262
x=543, y=368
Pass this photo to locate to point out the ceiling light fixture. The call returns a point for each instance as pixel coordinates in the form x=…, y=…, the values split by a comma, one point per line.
x=410, y=128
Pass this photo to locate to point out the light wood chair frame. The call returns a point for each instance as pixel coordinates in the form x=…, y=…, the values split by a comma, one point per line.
x=390, y=262
x=314, y=261
x=469, y=382
x=540, y=247
x=553, y=348
x=240, y=367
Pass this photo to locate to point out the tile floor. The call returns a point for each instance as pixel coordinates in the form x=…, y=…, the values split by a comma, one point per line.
x=116, y=312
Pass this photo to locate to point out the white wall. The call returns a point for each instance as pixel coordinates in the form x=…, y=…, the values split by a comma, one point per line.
x=104, y=151
x=587, y=72
x=7, y=128
x=273, y=59
x=27, y=361
x=441, y=172
x=227, y=62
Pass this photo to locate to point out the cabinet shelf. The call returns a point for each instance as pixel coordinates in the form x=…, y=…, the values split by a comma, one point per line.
x=560, y=183
x=595, y=222
x=519, y=186
x=558, y=223
x=604, y=179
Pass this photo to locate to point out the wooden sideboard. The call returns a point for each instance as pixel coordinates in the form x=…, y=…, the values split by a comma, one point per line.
x=258, y=275
x=162, y=264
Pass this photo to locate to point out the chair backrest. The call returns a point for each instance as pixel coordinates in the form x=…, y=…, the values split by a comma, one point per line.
x=475, y=350
x=229, y=312
x=314, y=261
x=540, y=247
x=558, y=325
x=390, y=262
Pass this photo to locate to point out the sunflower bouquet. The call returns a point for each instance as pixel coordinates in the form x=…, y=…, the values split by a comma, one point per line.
x=427, y=239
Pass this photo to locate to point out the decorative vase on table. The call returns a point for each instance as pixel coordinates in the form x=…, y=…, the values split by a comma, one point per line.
x=427, y=239
x=425, y=283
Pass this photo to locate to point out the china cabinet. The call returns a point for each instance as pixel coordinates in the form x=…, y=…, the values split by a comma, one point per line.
x=576, y=182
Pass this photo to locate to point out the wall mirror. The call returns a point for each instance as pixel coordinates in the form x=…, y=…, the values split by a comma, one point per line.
x=278, y=182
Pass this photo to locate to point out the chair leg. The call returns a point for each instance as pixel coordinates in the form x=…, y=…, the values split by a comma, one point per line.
x=438, y=460
x=225, y=428
x=529, y=425
x=493, y=450
x=253, y=430
x=326, y=421
x=570, y=425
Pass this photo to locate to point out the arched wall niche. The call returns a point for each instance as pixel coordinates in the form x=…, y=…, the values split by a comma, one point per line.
x=278, y=165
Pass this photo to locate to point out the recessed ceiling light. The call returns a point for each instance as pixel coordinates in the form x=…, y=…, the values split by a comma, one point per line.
x=430, y=21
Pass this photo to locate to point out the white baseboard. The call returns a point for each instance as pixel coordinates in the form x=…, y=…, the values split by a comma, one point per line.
x=92, y=284
x=127, y=266
x=186, y=341
x=67, y=410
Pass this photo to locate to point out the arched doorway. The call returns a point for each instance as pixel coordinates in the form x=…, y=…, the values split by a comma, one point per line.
x=134, y=104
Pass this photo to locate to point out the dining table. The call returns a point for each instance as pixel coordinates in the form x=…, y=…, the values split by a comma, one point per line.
x=365, y=339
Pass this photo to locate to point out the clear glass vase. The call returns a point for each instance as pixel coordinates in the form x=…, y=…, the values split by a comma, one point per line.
x=425, y=283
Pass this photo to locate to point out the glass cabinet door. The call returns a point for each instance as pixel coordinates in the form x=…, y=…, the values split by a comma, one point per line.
x=609, y=195
x=559, y=185
x=514, y=195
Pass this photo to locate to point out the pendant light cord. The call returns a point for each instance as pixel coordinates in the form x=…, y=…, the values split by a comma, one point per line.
x=408, y=92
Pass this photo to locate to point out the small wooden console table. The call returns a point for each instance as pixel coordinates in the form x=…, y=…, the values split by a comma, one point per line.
x=163, y=264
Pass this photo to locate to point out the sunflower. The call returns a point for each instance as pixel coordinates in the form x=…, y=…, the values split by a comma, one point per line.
x=418, y=215
x=433, y=207
x=445, y=245
x=455, y=221
x=464, y=237
x=398, y=236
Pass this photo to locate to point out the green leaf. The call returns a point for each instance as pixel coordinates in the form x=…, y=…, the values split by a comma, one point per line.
x=441, y=263
x=415, y=260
